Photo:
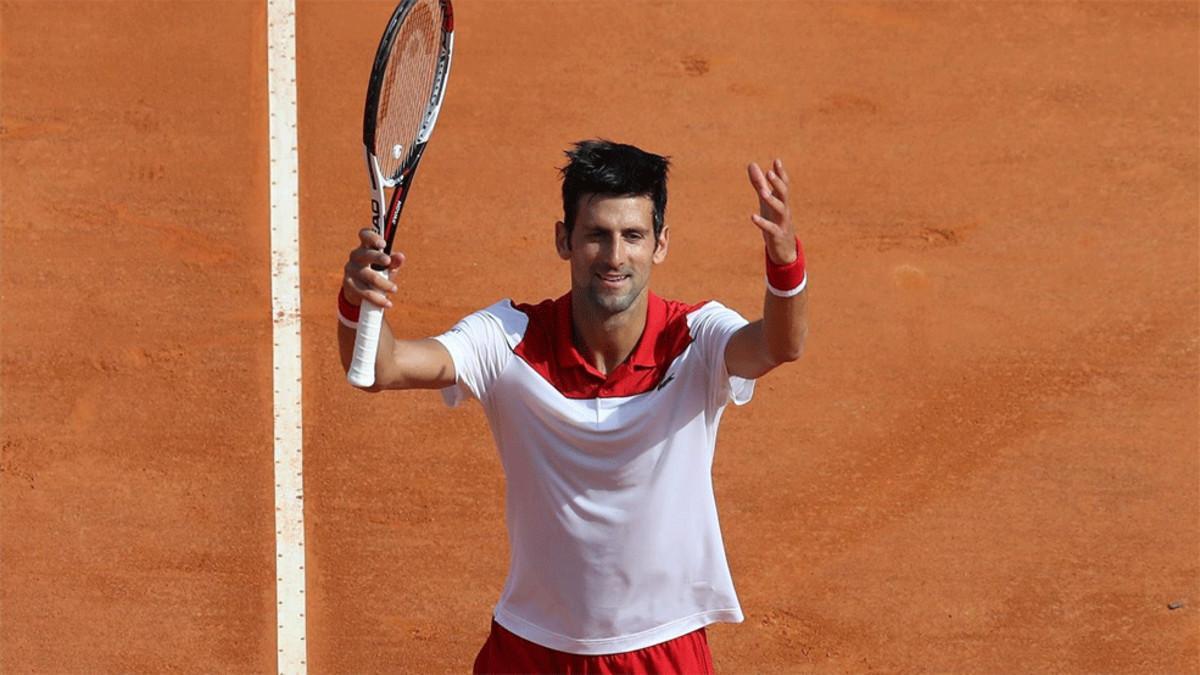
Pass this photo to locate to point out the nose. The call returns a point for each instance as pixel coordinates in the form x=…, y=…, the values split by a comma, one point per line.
x=613, y=252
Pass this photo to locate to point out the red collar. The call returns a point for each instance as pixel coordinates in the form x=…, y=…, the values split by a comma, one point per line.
x=643, y=355
x=547, y=347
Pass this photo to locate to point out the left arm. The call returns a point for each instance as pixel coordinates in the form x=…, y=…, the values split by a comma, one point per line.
x=778, y=337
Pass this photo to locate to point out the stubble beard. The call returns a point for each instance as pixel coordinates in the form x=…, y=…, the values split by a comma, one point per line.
x=610, y=303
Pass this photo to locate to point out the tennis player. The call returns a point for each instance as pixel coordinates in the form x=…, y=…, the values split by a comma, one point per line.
x=604, y=404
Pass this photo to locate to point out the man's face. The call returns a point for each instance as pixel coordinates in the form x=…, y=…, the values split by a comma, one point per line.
x=611, y=250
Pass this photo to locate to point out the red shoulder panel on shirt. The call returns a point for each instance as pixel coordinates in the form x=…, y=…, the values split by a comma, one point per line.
x=549, y=349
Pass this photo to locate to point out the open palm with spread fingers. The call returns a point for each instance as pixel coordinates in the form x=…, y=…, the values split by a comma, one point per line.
x=774, y=218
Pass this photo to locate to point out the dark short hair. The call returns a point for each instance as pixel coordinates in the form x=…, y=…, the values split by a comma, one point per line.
x=602, y=167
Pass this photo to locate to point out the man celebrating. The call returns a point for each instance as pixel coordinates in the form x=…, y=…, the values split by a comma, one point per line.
x=604, y=405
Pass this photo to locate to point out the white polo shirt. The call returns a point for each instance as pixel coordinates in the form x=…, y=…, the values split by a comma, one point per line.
x=612, y=524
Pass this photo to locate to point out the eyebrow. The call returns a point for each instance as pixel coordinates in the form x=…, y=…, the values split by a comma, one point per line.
x=591, y=227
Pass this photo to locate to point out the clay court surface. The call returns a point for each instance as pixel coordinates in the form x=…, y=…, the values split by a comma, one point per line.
x=986, y=461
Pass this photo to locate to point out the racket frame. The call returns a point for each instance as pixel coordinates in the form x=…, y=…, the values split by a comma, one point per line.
x=384, y=221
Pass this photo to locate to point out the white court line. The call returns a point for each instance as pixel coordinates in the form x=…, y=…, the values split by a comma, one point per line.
x=285, y=313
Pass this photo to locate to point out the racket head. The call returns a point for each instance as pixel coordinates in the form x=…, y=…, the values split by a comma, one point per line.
x=408, y=82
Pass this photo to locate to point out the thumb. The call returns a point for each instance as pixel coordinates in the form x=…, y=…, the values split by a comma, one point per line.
x=763, y=224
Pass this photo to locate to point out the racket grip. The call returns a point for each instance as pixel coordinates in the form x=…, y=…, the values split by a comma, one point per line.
x=366, y=344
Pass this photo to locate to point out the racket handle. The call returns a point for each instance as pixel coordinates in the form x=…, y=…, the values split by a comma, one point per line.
x=366, y=344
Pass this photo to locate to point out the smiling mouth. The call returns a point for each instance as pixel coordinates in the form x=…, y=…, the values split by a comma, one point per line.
x=612, y=279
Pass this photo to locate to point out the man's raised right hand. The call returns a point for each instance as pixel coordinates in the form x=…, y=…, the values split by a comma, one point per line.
x=360, y=281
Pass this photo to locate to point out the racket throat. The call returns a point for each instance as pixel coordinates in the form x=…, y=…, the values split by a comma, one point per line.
x=384, y=220
x=395, y=206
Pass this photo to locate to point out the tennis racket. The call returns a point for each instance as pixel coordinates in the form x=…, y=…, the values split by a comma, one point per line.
x=404, y=96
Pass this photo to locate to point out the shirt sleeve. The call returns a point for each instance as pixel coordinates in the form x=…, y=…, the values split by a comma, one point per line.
x=711, y=327
x=480, y=350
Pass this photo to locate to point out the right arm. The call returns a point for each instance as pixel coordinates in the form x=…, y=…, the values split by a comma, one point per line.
x=399, y=364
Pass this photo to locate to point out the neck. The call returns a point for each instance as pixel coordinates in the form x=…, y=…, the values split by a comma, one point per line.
x=604, y=339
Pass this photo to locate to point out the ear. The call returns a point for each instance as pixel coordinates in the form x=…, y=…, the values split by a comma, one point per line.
x=561, y=241
x=660, y=246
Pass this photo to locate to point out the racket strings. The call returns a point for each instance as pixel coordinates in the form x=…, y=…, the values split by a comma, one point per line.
x=406, y=93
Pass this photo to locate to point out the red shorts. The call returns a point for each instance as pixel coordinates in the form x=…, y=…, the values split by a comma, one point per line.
x=507, y=653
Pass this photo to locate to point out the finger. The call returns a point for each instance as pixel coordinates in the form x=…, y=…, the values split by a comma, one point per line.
x=781, y=171
x=397, y=260
x=366, y=293
x=756, y=178
x=777, y=182
x=764, y=224
x=774, y=202
x=378, y=280
x=369, y=256
x=761, y=182
x=368, y=277
x=371, y=239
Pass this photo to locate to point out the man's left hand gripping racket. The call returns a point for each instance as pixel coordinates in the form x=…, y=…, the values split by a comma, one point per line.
x=404, y=96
